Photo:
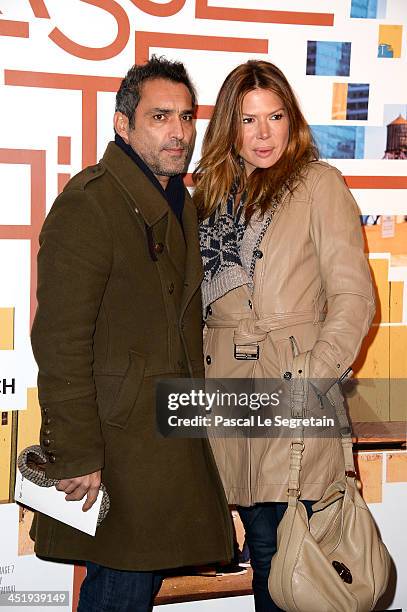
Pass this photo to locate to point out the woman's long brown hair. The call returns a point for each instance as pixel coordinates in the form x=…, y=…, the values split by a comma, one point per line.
x=220, y=168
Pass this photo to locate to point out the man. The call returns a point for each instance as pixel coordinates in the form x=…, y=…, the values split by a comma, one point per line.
x=119, y=306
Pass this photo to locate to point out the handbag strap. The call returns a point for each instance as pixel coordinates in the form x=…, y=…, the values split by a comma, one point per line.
x=299, y=396
x=335, y=397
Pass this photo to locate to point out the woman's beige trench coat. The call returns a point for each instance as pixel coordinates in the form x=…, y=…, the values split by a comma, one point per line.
x=311, y=283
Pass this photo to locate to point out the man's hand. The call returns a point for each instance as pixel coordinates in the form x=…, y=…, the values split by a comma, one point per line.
x=77, y=488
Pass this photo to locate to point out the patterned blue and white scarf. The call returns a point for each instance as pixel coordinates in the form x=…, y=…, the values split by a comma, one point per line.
x=229, y=249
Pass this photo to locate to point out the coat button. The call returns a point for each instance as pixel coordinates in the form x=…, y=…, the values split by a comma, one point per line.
x=52, y=458
x=287, y=375
x=46, y=442
x=209, y=311
x=250, y=305
x=171, y=288
x=208, y=360
x=47, y=432
x=158, y=247
x=47, y=421
x=258, y=254
x=45, y=410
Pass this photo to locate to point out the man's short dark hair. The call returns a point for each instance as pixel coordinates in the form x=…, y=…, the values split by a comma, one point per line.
x=129, y=94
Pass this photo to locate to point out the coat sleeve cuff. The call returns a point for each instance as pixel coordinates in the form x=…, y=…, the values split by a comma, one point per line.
x=325, y=370
x=71, y=437
x=84, y=466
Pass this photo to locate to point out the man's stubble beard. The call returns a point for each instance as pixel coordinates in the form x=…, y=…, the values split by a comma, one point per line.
x=159, y=167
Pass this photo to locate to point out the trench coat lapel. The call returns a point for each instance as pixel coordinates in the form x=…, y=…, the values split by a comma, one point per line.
x=193, y=266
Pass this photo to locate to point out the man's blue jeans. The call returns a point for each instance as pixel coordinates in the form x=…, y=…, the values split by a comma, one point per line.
x=109, y=590
x=260, y=522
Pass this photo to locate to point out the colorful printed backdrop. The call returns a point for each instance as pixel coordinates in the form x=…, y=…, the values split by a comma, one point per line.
x=61, y=63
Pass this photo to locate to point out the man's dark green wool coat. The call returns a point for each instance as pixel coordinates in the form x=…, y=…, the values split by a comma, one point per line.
x=118, y=307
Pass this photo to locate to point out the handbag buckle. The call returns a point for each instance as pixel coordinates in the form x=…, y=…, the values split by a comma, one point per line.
x=248, y=352
x=299, y=442
x=295, y=492
x=343, y=571
x=352, y=474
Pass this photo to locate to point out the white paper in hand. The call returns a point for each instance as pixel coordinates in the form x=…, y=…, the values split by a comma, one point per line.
x=51, y=502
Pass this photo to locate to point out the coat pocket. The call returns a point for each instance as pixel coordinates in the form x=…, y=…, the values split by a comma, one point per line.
x=128, y=392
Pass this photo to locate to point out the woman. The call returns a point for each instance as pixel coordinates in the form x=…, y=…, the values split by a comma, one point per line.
x=285, y=272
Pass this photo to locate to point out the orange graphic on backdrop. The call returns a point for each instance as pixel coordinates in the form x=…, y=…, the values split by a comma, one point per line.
x=21, y=29
x=64, y=150
x=39, y=9
x=167, y=9
x=100, y=53
x=88, y=85
x=203, y=11
x=376, y=182
x=36, y=161
x=18, y=29
x=146, y=40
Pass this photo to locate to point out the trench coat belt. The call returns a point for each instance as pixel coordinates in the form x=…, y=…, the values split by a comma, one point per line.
x=251, y=331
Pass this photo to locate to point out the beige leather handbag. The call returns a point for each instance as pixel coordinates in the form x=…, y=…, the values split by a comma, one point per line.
x=336, y=561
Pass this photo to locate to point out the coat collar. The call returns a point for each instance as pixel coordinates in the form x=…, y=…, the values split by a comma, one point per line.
x=150, y=202
x=153, y=207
